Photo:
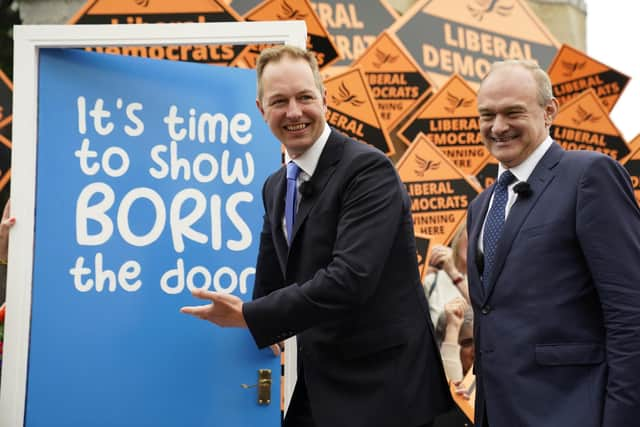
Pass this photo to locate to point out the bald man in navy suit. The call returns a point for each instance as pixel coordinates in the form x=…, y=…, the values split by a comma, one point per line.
x=554, y=270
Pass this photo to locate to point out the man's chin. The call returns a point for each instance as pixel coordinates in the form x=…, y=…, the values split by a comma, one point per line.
x=504, y=156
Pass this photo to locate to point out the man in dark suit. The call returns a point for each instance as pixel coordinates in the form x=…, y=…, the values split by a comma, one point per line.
x=343, y=276
x=554, y=286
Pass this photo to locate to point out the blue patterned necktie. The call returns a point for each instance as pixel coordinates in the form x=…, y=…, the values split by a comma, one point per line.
x=290, y=202
x=494, y=223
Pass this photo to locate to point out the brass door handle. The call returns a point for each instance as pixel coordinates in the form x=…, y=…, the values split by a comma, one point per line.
x=264, y=386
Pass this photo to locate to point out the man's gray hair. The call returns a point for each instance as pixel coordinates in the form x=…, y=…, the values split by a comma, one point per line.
x=543, y=82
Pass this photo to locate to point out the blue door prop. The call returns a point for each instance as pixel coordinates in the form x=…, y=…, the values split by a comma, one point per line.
x=148, y=184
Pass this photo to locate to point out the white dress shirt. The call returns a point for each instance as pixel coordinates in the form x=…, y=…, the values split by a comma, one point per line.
x=522, y=173
x=307, y=162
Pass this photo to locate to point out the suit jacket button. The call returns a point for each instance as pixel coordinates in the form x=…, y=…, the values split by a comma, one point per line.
x=486, y=309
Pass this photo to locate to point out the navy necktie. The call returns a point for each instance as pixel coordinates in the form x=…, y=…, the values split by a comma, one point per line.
x=494, y=223
x=290, y=202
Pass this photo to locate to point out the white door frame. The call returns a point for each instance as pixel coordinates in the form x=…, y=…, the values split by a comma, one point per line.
x=28, y=40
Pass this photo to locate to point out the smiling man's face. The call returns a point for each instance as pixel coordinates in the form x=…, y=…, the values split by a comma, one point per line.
x=512, y=121
x=292, y=104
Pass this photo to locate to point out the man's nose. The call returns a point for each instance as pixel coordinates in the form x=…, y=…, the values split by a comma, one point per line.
x=500, y=124
x=293, y=109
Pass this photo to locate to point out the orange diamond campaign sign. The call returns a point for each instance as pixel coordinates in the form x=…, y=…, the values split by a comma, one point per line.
x=466, y=36
x=487, y=173
x=354, y=25
x=584, y=124
x=572, y=72
x=632, y=163
x=439, y=191
x=162, y=11
x=318, y=39
x=351, y=109
x=634, y=143
x=396, y=81
x=449, y=119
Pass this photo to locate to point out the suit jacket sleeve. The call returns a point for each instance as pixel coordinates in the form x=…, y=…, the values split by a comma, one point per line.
x=608, y=226
x=368, y=197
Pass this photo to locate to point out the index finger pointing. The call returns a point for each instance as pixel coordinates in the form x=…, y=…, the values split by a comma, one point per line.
x=204, y=294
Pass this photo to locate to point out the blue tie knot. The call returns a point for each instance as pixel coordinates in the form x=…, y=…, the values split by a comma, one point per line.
x=506, y=178
x=292, y=170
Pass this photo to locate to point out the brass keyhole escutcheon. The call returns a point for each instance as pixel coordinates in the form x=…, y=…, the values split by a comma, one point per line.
x=264, y=386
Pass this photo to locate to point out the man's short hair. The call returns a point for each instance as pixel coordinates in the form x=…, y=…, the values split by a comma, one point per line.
x=276, y=53
x=543, y=82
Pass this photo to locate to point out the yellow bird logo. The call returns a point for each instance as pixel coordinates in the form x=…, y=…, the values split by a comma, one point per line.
x=345, y=95
x=456, y=102
x=384, y=58
x=485, y=7
x=423, y=166
x=288, y=13
x=572, y=67
x=585, y=116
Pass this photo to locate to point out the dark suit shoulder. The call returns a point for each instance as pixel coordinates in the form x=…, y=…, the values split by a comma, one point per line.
x=584, y=164
x=357, y=155
x=358, y=148
x=584, y=156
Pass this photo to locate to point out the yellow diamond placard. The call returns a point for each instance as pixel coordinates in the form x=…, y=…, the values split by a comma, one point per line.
x=351, y=109
x=572, y=72
x=318, y=39
x=632, y=163
x=396, y=80
x=162, y=11
x=439, y=191
x=583, y=123
x=487, y=173
x=466, y=36
x=450, y=120
x=634, y=143
x=354, y=25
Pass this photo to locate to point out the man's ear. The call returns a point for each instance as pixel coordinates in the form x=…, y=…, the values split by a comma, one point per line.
x=259, y=105
x=551, y=111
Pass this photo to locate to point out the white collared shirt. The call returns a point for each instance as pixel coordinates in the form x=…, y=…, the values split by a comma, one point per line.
x=307, y=162
x=522, y=172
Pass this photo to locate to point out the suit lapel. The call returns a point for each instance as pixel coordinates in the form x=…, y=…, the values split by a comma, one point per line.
x=276, y=216
x=331, y=154
x=540, y=178
x=474, y=259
